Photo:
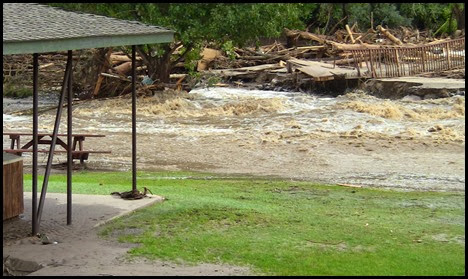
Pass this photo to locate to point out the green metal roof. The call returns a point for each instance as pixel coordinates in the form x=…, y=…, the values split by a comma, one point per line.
x=35, y=28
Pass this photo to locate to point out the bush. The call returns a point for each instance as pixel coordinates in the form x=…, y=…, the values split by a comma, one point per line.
x=13, y=87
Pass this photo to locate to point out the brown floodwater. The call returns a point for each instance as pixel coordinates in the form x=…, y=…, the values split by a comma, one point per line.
x=353, y=139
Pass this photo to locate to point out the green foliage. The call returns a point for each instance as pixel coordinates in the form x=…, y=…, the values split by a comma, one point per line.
x=192, y=58
x=360, y=13
x=243, y=23
x=387, y=14
x=426, y=15
x=447, y=28
x=212, y=80
x=228, y=48
x=14, y=87
x=196, y=22
x=199, y=23
x=392, y=15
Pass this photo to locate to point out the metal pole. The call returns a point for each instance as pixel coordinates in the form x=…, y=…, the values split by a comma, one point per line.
x=35, y=227
x=69, y=142
x=54, y=140
x=134, y=158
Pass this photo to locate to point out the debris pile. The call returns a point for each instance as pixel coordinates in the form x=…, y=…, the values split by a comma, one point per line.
x=298, y=61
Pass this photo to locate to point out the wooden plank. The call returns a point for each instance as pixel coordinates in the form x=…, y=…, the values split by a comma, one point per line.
x=320, y=71
x=247, y=70
x=55, y=151
x=319, y=74
x=48, y=134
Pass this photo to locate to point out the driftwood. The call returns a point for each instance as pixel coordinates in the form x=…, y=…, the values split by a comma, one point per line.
x=350, y=34
x=116, y=58
x=389, y=35
x=303, y=35
x=247, y=71
x=208, y=55
x=333, y=46
x=123, y=68
x=105, y=65
x=114, y=76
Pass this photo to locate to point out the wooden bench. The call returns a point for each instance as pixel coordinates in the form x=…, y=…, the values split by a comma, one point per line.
x=78, y=139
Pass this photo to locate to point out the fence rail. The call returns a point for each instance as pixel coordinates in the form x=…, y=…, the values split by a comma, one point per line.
x=408, y=61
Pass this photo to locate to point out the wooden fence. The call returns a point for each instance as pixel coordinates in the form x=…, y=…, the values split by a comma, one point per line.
x=397, y=61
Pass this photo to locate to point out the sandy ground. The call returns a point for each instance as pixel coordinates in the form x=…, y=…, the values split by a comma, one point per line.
x=79, y=251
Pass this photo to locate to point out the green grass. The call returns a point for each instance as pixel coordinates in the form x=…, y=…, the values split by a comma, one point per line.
x=287, y=227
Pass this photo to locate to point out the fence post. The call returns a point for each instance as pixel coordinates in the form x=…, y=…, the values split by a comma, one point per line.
x=449, y=62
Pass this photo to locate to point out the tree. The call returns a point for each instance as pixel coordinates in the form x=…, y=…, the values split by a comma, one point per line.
x=197, y=24
x=426, y=15
x=458, y=11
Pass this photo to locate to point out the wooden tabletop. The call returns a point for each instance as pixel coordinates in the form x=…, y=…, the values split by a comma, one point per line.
x=49, y=134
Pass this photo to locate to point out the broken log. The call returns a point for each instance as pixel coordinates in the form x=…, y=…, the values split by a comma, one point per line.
x=114, y=76
x=304, y=35
x=104, y=67
x=46, y=65
x=389, y=35
x=333, y=46
x=247, y=71
x=208, y=55
x=123, y=68
x=117, y=58
x=350, y=34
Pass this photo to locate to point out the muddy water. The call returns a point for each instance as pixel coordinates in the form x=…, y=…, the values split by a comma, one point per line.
x=352, y=139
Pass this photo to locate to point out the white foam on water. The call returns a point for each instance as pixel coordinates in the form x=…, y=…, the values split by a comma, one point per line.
x=309, y=113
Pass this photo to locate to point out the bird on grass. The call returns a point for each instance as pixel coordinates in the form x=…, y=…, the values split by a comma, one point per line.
x=133, y=195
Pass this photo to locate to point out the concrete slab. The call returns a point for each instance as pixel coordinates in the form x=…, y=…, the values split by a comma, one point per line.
x=88, y=211
x=423, y=87
x=434, y=83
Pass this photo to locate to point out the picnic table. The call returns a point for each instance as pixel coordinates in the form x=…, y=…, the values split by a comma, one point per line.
x=78, y=139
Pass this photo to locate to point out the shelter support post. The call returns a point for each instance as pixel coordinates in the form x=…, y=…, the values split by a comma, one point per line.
x=65, y=83
x=35, y=225
x=134, y=143
x=69, y=141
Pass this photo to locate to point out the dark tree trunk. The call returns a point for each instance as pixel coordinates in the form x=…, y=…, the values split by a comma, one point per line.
x=345, y=14
x=159, y=68
x=459, y=14
x=163, y=72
